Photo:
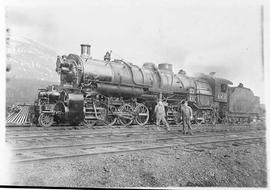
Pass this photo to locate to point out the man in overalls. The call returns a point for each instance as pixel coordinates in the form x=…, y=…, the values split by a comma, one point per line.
x=160, y=115
x=186, y=112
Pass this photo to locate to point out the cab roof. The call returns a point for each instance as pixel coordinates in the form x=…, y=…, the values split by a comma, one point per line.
x=216, y=79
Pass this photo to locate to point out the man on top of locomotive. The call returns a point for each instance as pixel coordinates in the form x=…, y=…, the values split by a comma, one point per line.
x=186, y=112
x=107, y=56
x=160, y=115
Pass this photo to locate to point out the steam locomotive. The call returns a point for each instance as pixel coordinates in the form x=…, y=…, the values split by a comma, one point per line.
x=117, y=91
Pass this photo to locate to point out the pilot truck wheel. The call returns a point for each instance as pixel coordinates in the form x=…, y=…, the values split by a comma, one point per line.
x=45, y=120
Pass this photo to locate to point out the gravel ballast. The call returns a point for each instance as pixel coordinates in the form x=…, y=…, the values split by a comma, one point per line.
x=234, y=166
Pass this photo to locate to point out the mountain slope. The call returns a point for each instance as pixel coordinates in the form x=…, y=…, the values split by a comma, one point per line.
x=24, y=90
x=32, y=67
x=31, y=60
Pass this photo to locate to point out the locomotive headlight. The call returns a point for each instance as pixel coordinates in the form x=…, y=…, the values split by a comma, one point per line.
x=65, y=70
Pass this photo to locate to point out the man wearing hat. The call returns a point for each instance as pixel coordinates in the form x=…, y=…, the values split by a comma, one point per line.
x=186, y=112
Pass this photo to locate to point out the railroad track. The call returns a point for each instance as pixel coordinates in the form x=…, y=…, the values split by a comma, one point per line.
x=164, y=136
x=108, y=130
x=104, y=127
x=43, y=153
x=71, y=136
x=93, y=131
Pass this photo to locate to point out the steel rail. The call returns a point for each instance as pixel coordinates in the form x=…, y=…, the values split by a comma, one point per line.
x=176, y=136
x=86, y=134
x=61, y=129
x=65, y=129
x=101, y=133
x=184, y=144
x=19, y=116
x=11, y=116
x=107, y=127
x=15, y=116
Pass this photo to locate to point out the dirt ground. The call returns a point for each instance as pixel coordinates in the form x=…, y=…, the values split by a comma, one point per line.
x=236, y=166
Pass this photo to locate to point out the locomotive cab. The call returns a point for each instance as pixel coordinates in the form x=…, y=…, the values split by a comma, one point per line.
x=219, y=102
x=219, y=87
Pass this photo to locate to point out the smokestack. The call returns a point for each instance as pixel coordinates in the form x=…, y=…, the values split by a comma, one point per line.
x=85, y=50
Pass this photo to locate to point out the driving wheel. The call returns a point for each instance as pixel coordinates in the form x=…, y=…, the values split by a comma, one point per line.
x=126, y=117
x=142, y=114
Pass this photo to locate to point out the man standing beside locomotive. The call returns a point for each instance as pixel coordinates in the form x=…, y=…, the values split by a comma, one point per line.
x=186, y=112
x=160, y=115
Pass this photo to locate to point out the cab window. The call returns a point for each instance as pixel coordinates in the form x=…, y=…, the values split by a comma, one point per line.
x=223, y=88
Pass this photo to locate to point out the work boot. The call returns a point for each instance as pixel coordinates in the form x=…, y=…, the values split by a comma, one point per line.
x=158, y=129
x=190, y=133
x=168, y=128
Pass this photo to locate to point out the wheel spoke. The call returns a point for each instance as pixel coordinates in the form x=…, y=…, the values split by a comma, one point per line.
x=45, y=120
x=142, y=114
x=111, y=119
x=127, y=117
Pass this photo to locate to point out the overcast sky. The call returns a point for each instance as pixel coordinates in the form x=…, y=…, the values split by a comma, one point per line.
x=225, y=38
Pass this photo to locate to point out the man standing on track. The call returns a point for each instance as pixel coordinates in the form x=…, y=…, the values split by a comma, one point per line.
x=186, y=112
x=160, y=115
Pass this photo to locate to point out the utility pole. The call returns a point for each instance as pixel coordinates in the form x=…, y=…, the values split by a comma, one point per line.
x=8, y=66
x=262, y=37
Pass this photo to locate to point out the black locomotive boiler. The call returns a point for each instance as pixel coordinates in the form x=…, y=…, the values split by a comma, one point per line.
x=117, y=91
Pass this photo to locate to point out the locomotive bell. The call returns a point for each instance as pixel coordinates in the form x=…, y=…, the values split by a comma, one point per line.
x=85, y=50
